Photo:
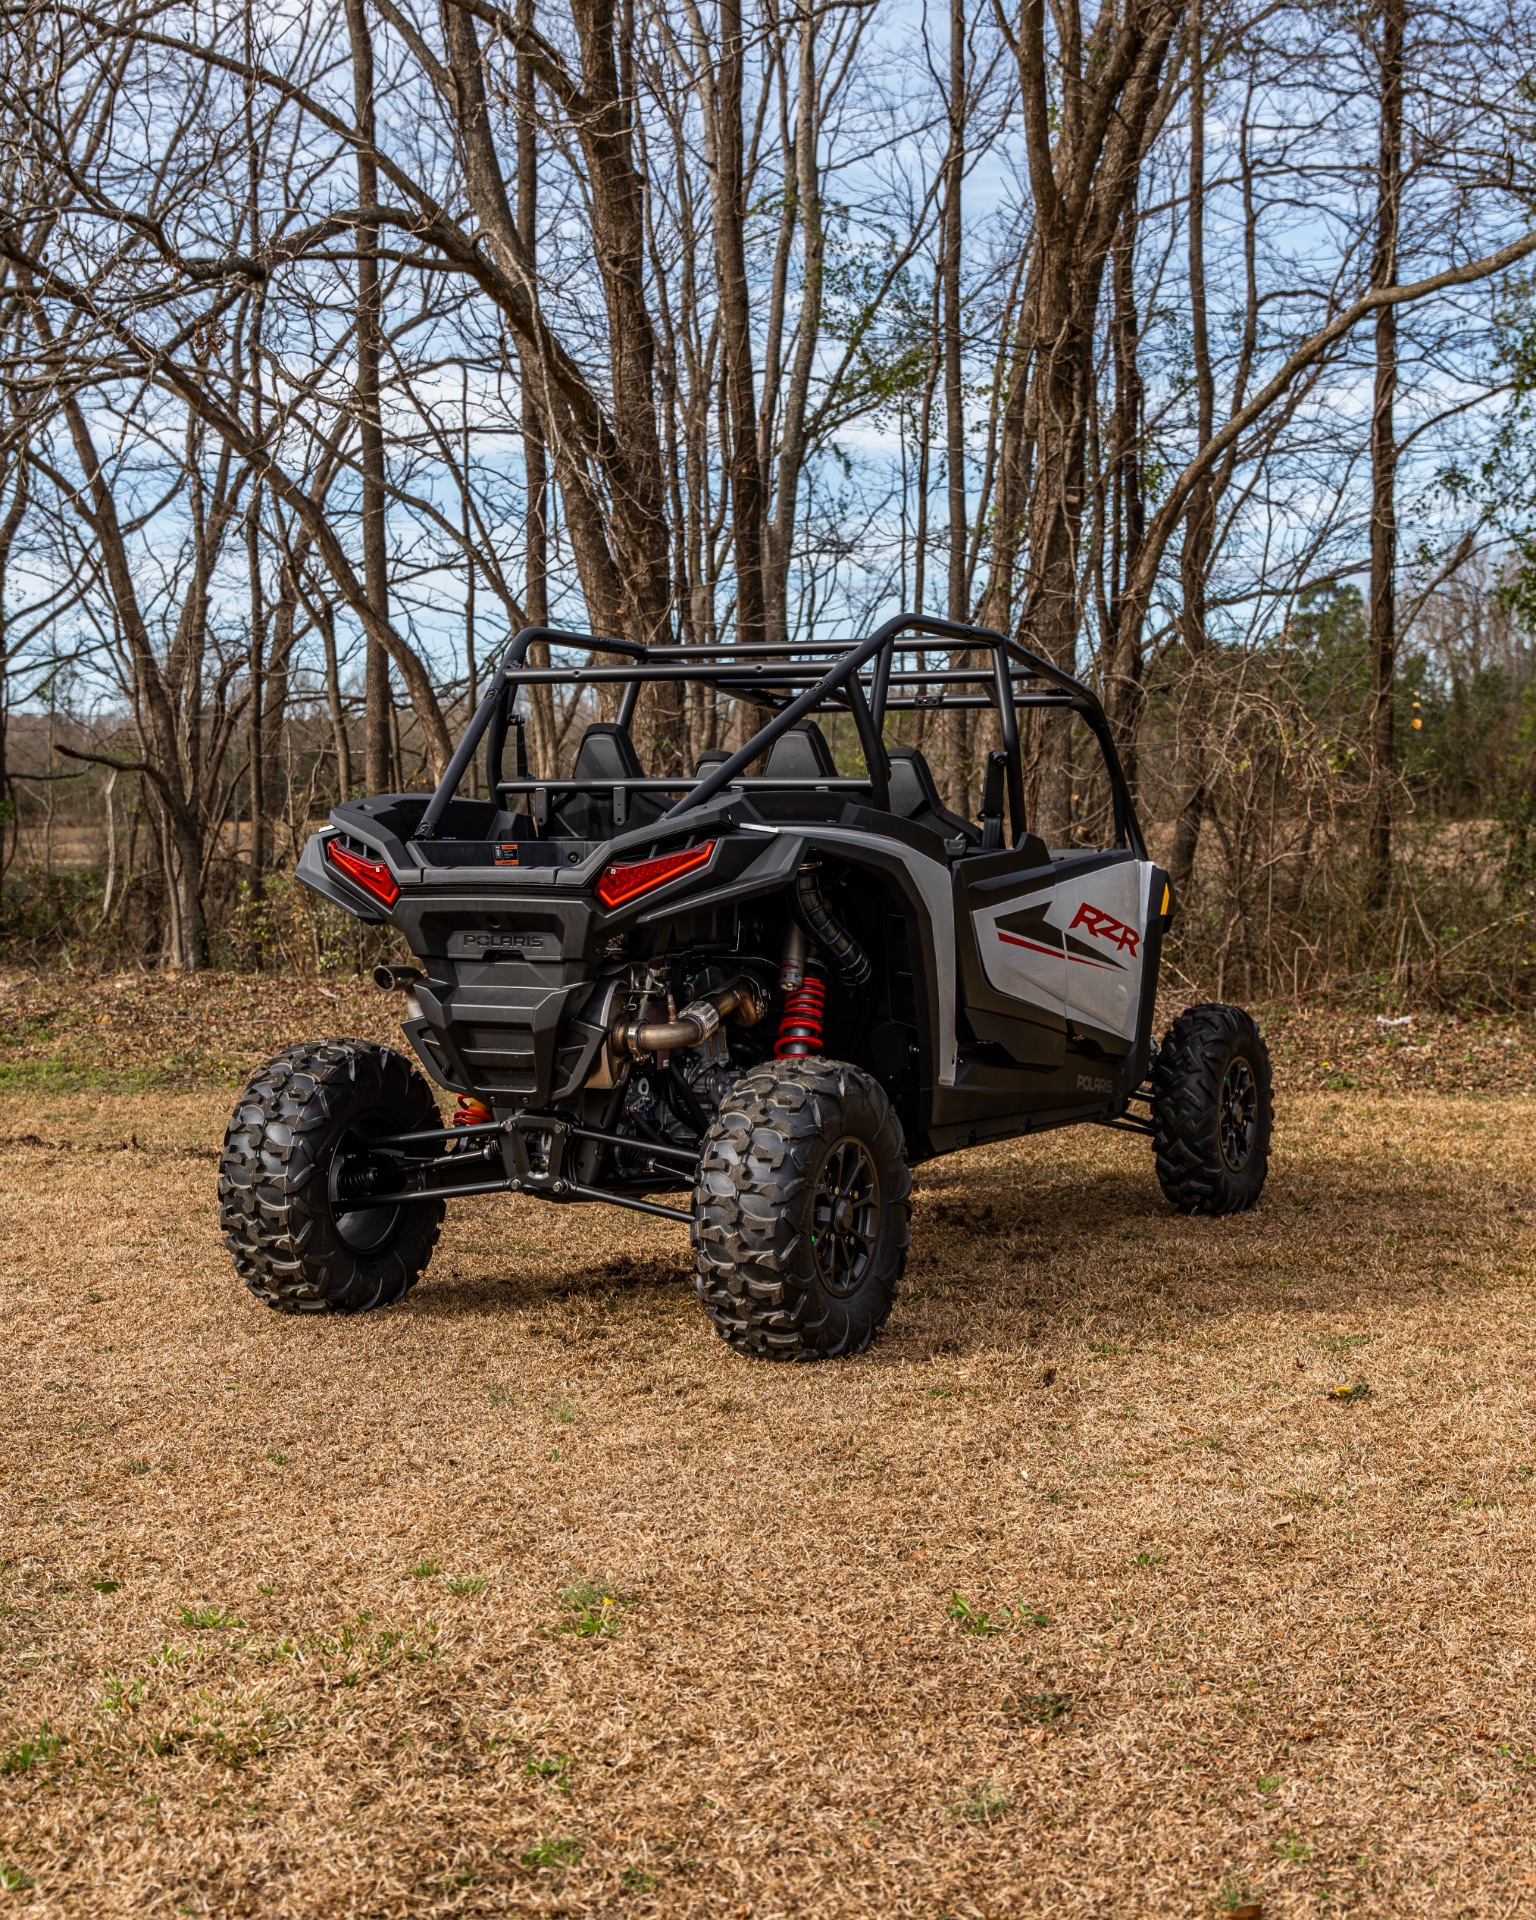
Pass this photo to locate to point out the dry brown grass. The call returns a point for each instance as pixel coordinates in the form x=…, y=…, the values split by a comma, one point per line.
x=1245, y=1642
x=69, y=1032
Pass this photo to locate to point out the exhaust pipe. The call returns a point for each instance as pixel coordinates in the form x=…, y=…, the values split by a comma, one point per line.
x=390, y=979
x=695, y=1024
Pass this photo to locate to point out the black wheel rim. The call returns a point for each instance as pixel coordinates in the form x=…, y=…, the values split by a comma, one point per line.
x=845, y=1216
x=361, y=1230
x=1238, y=1123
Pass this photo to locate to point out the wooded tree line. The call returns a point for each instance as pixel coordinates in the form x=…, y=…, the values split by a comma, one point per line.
x=1189, y=341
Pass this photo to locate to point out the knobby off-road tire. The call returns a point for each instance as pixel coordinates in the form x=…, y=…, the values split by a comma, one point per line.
x=801, y=1211
x=290, y=1247
x=1213, y=1111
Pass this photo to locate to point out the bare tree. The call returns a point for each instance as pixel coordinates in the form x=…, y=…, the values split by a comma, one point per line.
x=1383, y=599
x=370, y=422
x=1111, y=81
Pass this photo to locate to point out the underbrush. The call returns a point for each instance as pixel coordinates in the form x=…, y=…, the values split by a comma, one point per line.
x=1455, y=932
x=60, y=921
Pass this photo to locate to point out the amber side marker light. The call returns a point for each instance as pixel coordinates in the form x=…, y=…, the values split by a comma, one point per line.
x=622, y=883
x=371, y=875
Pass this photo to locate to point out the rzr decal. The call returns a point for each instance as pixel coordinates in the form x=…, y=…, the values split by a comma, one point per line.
x=1030, y=928
x=1104, y=926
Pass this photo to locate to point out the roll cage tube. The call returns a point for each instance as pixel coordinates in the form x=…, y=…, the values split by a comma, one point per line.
x=493, y=708
x=741, y=668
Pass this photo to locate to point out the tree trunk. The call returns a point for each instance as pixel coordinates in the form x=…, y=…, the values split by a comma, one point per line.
x=1125, y=693
x=325, y=620
x=541, y=699
x=1383, y=630
x=187, y=941
x=377, y=696
x=956, y=771
x=257, y=676
x=1084, y=149
x=621, y=540
x=792, y=441
x=176, y=761
x=638, y=508
x=282, y=637
x=9, y=528
x=1199, y=515
x=729, y=195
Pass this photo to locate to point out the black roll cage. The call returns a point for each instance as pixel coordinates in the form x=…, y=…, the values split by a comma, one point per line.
x=766, y=673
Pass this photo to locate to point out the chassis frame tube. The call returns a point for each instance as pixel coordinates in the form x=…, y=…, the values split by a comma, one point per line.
x=572, y=1190
x=483, y=1129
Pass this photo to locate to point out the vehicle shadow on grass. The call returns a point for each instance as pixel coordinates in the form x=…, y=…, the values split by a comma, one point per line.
x=1066, y=1262
x=1000, y=1257
x=494, y=1289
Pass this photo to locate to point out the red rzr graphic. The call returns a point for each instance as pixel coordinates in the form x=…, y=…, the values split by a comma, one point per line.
x=1104, y=926
x=1030, y=929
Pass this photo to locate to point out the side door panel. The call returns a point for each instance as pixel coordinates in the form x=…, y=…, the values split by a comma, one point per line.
x=1019, y=957
x=1056, y=949
x=1014, y=986
x=1103, y=916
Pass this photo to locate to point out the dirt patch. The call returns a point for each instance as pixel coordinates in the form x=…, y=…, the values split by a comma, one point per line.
x=1081, y=1593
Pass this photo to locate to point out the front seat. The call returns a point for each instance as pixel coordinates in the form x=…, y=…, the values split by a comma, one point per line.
x=915, y=797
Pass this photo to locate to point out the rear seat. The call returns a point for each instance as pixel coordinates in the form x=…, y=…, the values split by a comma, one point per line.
x=915, y=797
x=800, y=754
x=606, y=753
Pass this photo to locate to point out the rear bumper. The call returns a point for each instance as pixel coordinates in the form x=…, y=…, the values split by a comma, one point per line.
x=512, y=1044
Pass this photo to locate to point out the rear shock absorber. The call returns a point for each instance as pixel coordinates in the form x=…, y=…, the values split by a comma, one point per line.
x=800, y=1027
x=470, y=1112
x=805, y=996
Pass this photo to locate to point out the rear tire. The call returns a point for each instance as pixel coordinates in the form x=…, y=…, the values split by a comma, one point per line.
x=290, y=1247
x=801, y=1211
x=1213, y=1111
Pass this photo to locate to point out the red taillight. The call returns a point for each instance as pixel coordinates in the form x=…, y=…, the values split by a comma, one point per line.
x=619, y=884
x=371, y=875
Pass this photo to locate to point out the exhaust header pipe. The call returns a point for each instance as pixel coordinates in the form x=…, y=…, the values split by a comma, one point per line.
x=696, y=1023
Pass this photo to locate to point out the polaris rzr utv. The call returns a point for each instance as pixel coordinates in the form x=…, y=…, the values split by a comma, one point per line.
x=766, y=986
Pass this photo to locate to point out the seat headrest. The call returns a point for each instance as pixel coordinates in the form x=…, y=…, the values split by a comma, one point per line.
x=800, y=754
x=914, y=790
x=715, y=757
x=606, y=753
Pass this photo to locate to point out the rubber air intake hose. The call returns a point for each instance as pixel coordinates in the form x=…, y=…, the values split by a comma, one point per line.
x=834, y=939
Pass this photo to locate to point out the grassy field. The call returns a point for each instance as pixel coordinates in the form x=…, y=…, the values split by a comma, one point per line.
x=1086, y=1591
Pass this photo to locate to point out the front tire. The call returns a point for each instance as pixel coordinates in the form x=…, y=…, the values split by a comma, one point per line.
x=1213, y=1111
x=297, y=1116
x=801, y=1211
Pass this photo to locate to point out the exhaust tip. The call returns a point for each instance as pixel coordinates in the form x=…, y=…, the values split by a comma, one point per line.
x=392, y=979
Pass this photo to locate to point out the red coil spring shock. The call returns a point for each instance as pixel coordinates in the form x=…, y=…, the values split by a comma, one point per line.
x=800, y=1028
x=470, y=1112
